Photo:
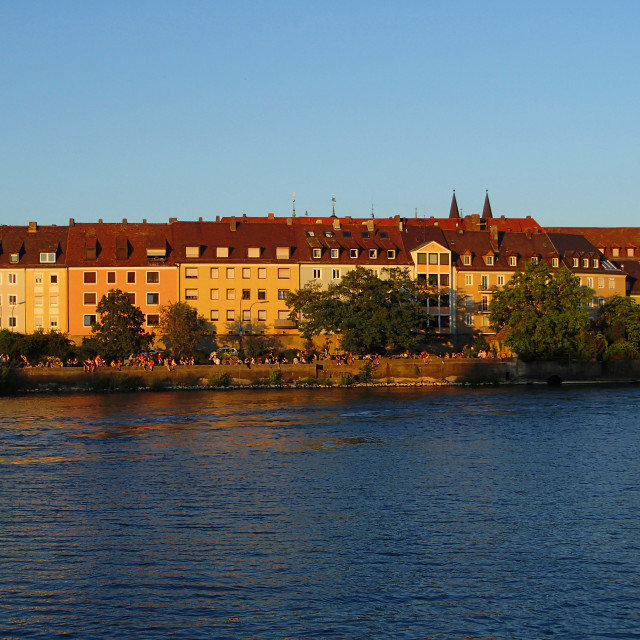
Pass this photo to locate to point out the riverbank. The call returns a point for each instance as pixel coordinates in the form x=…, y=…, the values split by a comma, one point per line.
x=388, y=372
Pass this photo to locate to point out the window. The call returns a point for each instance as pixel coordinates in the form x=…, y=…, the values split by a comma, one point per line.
x=595, y=263
x=484, y=303
x=468, y=279
x=189, y=272
x=122, y=248
x=13, y=300
x=590, y=283
x=47, y=257
x=534, y=259
x=444, y=279
x=215, y=272
x=328, y=234
x=433, y=258
x=214, y=315
x=513, y=261
x=111, y=277
x=246, y=294
x=444, y=258
x=262, y=273
x=153, y=277
x=311, y=234
x=391, y=254
x=246, y=272
x=365, y=234
x=89, y=277
x=231, y=314
x=231, y=273
x=373, y=254
x=191, y=294
x=214, y=294
x=612, y=283
x=630, y=252
x=156, y=253
x=192, y=251
x=132, y=297
x=283, y=293
x=53, y=321
x=37, y=301
x=153, y=320
x=488, y=261
x=353, y=253
x=468, y=319
x=13, y=323
x=346, y=234
x=153, y=298
x=262, y=315
x=317, y=253
x=246, y=315
x=283, y=315
x=484, y=282
x=262, y=294
x=15, y=257
x=335, y=253
x=422, y=258
x=282, y=253
x=37, y=278
x=90, y=298
x=468, y=300
x=253, y=252
x=335, y=274
x=600, y=283
x=131, y=277
x=284, y=274
x=53, y=301
x=466, y=260
x=615, y=251
x=53, y=278
x=222, y=252
x=555, y=262
x=231, y=294
x=575, y=262
x=89, y=320
x=317, y=274
x=500, y=281
x=585, y=263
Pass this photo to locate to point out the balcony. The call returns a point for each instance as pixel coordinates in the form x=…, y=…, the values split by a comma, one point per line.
x=285, y=324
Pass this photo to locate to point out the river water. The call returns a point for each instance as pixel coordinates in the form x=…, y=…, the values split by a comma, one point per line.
x=393, y=513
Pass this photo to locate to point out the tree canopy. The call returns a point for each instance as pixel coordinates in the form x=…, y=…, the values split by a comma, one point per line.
x=542, y=314
x=181, y=327
x=619, y=323
x=119, y=331
x=370, y=313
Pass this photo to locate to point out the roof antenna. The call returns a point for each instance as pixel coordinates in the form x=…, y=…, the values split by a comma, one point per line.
x=333, y=205
x=415, y=215
x=294, y=205
x=372, y=216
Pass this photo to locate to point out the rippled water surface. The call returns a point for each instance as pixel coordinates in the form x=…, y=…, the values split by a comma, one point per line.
x=322, y=514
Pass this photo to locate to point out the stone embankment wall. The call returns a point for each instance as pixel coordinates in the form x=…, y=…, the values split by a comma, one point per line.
x=437, y=371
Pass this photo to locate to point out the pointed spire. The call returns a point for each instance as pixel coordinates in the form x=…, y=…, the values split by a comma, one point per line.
x=454, y=213
x=486, y=211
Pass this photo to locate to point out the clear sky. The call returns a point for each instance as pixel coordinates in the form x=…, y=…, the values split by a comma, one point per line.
x=156, y=109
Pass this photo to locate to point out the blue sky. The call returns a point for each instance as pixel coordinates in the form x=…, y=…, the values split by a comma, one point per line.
x=132, y=109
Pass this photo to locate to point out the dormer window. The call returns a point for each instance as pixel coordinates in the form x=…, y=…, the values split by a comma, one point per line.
x=47, y=257
x=630, y=252
x=122, y=248
x=513, y=261
x=585, y=263
x=353, y=253
x=328, y=234
x=191, y=251
x=335, y=254
x=555, y=262
x=365, y=234
x=466, y=260
x=595, y=263
x=373, y=254
x=253, y=252
x=222, y=252
x=311, y=234
x=317, y=253
x=576, y=262
x=283, y=253
x=488, y=261
x=384, y=234
x=534, y=259
x=346, y=234
x=615, y=251
x=391, y=254
x=14, y=257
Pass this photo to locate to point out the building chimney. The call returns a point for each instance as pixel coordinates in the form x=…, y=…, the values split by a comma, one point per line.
x=336, y=223
x=233, y=223
x=72, y=222
x=124, y=221
x=493, y=235
x=200, y=219
x=33, y=227
x=173, y=220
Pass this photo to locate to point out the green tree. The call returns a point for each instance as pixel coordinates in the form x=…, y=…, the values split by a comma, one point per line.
x=619, y=322
x=181, y=328
x=119, y=331
x=370, y=313
x=542, y=315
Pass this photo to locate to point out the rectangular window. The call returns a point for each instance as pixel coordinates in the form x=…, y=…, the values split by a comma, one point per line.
x=575, y=262
x=500, y=281
x=283, y=315
x=468, y=319
x=468, y=279
x=468, y=300
x=373, y=254
x=37, y=301
x=282, y=253
x=444, y=279
x=246, y=315
x=53, y=301
x=335, y=254
x=317, y=274
x=246, y=294
x=534, y=259
x=231, y=315
x=89, y=277
x=335, y=274
x=612, y=283
x=89, y=320
x=283, y=293
x=111, y=277
x=190, y=294
x=153, y=320
x=513, y=261
x=262, y=315
x=555, y=262
x=13, y=322
x=466, y=260
x=433, y=258
x=231, y=273
x=317, y=253
x=13, y=300
x=489, y=261
x=630, y=252
x=192, y=251
x=132, y=297
x=590, y=283
x=47, y=257
x=215, y=273
x=262, y=294
x=391, y=254
x=131, y=277
x=153, y=298
x=444, y=258
x=262, y=273
x=231, y=294
x=600, y=283
x=222, y=252
x=15, y=257
x=53, y=278
x=246, y=272
x=153, y=277
x=90, y=298
x=422, y=258
x=37, y=278
x=284, y=274
x=53, y=321
x=484, y=282
x=253, y=252
x=595, y=264
x=190, y=272
x=214, y=294
x=353, y=253
x=214, y=315
x=585, y=263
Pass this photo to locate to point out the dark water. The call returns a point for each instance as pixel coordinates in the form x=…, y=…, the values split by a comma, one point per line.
x=327, y=514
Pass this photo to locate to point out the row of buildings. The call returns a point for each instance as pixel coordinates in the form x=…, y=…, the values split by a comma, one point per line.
x=237, y=271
